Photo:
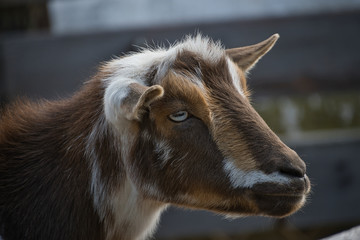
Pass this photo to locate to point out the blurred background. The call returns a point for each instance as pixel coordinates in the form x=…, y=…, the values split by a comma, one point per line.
x=307, y=88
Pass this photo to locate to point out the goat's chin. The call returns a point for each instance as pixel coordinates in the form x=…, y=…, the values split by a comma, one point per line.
x=265, y=205
x=279, y=206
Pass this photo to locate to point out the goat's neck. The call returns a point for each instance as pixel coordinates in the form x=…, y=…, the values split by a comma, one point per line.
x=134, y=216
x=126, y=214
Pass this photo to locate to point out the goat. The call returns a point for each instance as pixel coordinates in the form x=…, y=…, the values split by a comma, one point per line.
x=160, y=127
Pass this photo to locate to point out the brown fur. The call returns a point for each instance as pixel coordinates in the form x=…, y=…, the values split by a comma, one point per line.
x=33, y=164
x=68, y=171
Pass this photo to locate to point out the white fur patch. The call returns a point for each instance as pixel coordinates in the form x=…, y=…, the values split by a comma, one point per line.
x=136, y=65
x=234, y=76
x=115, y=94
x=163, y=149
x=135, y=217
x=242, y=179
x=194, y=79
x=146, y=135
x=203, y=46
x=97, y=187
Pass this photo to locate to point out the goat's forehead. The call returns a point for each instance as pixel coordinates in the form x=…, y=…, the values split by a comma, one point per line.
x=200, y=59
x=190, y=57
x=196, y=80
x=206, y=73
x=205, y=48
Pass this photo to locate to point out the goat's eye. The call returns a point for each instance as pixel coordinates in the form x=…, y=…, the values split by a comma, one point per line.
x=179, y=116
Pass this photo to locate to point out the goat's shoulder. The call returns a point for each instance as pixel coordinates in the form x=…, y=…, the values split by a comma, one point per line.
x=24, y=115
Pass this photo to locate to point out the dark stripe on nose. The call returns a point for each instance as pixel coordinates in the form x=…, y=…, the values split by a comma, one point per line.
x=270, y=153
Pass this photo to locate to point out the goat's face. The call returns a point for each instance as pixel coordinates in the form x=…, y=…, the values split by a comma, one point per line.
x=200, y=144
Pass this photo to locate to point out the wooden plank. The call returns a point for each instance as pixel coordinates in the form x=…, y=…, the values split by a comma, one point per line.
x=309, y=56
x=351, y=234
x=78, y=15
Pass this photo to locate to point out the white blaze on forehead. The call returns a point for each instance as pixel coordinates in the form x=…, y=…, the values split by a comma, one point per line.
x=235, y=76
x=196, y=79
x=137, y=65
x=242, y=179
x=206, y=48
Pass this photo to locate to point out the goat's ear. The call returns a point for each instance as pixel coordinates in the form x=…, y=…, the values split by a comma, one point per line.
x=247, y=57
x=130, y=100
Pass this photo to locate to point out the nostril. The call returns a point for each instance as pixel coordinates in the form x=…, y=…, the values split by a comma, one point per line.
x=292, y=171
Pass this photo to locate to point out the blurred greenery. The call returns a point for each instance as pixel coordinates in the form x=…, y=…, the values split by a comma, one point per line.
x=318, y=111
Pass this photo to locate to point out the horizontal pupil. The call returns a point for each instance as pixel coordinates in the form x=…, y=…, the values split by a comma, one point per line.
x=179, y=114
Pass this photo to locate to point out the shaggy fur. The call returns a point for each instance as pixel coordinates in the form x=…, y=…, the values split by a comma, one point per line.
x=106, y=162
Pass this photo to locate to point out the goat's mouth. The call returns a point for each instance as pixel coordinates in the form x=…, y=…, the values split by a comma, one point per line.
x=272, y=205
x=295, y=187
x=267, y=199
x=279, y=200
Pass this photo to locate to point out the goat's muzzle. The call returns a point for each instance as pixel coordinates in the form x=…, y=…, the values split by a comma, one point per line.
x=282, y=199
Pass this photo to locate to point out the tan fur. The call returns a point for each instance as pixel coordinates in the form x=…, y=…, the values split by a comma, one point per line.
x=106, y=162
